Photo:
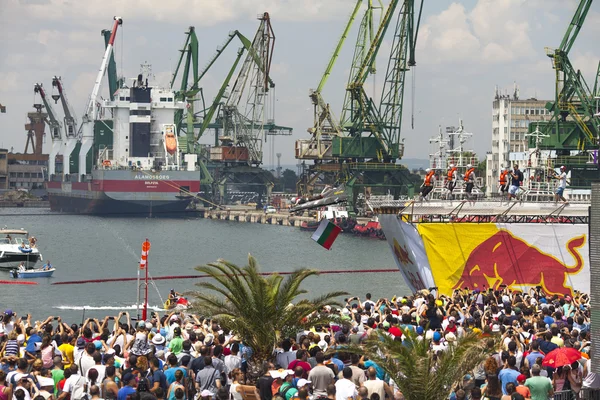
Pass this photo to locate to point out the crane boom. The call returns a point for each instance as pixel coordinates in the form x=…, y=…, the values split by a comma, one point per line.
x=55, y=128
x=575, y=26
x=91, y=111
x=53, y=123
x=70, y=121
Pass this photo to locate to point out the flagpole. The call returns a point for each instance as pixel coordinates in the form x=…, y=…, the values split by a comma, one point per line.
x=145, y=310
x=138, y=294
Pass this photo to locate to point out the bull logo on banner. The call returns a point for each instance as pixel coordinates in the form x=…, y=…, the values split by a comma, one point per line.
x=504, y=259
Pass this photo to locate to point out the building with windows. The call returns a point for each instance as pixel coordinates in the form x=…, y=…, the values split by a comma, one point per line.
x=26, y=171
x=3, y=169
x=511, y=117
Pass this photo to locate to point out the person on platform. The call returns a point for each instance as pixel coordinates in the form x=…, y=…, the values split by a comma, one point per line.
x=516, y=181
x=47, y=266
x=451, y=178
x=503, y=181
x=562, y=184
x=427, y=185
x=469, y=181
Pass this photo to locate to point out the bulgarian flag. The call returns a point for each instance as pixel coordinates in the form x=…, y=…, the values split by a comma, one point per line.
x=326, y=233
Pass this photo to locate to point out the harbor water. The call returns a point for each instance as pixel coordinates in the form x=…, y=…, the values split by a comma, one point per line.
x=89, y=247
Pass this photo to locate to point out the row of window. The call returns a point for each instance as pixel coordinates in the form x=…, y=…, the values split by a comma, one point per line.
x=519, y=123
x=167, y=99
x=26, y=175
x=528, y=111
x=27, y=185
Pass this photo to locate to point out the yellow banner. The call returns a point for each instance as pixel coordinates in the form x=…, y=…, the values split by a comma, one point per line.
x=520, y=256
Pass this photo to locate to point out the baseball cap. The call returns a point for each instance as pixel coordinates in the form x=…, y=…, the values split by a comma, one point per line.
x=302, y=382
x=420, y=330
x=142, y=325
x=45, y=382
x=285, y=373
x=495, y=328
x=98, y=344
x=437, y=336
x=174, y=318
x=177, y=331
x=451, y=319
x=521, y=378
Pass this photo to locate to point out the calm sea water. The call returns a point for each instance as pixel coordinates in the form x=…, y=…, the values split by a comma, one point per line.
x=87, y=247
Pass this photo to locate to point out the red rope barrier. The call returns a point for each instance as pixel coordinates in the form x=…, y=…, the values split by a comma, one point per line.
x=169, y=277
x=17, y=283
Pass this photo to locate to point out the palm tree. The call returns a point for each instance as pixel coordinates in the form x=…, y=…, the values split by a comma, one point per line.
x=418, y=373
x=258, y=306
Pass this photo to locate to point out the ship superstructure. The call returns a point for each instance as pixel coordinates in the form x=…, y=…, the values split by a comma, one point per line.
x=127, y=159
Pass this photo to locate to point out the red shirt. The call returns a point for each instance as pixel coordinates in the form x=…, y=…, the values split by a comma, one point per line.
x=299, y=363
x=395, y=331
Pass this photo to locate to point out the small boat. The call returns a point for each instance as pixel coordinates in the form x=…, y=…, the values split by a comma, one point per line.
x=309, y=226
x=16, y=247
x=32, y=273
x=180, y=304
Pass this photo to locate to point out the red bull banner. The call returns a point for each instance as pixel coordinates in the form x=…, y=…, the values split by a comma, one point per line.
x=409, y=253
x=520, y=256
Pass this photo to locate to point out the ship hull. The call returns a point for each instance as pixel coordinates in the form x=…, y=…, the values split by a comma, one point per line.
x=126, y=193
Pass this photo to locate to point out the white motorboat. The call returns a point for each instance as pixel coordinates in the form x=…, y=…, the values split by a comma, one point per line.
x=16, y=248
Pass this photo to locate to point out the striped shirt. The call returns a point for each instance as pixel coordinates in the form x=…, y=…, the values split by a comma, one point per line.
x=12, y=348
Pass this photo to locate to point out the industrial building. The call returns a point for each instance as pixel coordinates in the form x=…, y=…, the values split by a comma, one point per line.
x=511, y=118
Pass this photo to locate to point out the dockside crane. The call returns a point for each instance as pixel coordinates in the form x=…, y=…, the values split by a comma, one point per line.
x=361, y=150
x=575, y=122
x=86, y=130
x=70, y=124
x=55, y=129
x=243, y=114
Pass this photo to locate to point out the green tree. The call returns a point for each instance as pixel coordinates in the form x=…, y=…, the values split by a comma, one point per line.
x=257, y=306
x=419, y=374
x=288, y=180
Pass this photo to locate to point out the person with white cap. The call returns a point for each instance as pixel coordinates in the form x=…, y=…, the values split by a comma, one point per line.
x=469, y=181
x=287, y=389
x=562, y=185
x=428, y=183
x=451, y=178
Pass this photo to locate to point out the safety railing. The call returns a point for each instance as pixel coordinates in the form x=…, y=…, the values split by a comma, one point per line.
x=589, y=394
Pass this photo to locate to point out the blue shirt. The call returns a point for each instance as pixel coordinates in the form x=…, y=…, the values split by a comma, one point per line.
x=33, y=339
x=508, y=375
x=378, y=369
x=124, y=392
x=170, y=374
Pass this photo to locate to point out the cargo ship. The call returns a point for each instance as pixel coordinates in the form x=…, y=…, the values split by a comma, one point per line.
x=126, y=159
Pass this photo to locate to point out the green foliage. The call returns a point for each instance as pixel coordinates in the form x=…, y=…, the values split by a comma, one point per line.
x=256, y=306
x=418, y=373
x=288, y=180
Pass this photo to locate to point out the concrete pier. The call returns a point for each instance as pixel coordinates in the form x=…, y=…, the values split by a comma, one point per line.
x=255, y=216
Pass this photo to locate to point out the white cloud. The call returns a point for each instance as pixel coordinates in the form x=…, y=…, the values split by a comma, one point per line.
x=204, y=13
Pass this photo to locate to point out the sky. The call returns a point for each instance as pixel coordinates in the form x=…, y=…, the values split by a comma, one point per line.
x=465, y=50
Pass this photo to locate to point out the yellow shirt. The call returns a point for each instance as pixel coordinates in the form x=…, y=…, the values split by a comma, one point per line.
x=67, y=351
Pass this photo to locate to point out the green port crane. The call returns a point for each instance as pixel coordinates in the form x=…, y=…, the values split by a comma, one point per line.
x=361, y=149
x=575, y=123
x=190, y=91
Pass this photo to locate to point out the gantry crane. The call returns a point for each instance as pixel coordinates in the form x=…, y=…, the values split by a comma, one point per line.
x=238, y=118
x=575, y=123
x=55, y=129
x=86, y=130
x=361, y=149
x=70, y=124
